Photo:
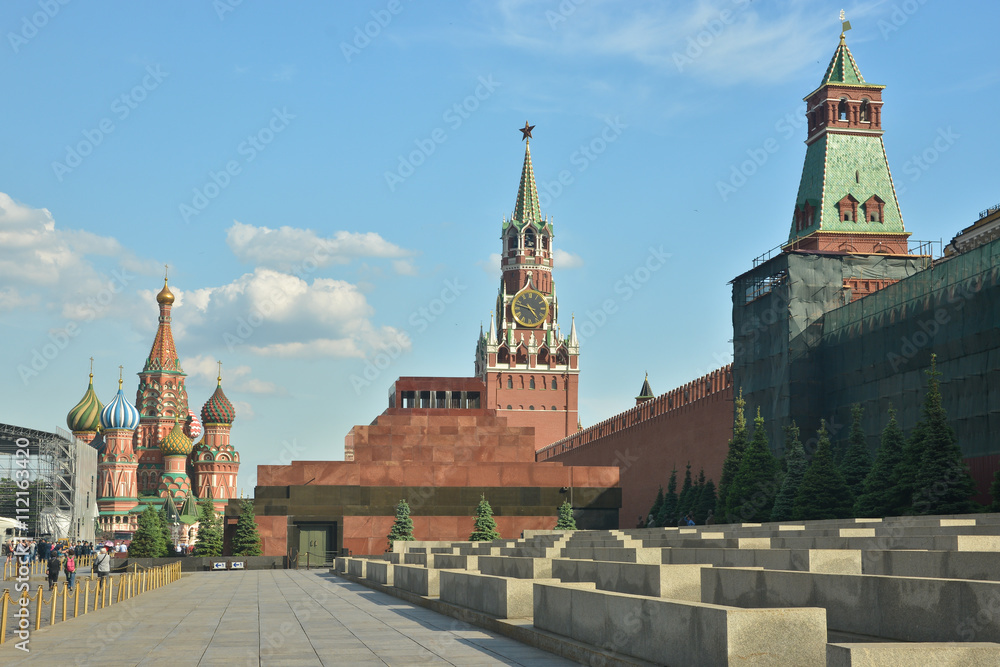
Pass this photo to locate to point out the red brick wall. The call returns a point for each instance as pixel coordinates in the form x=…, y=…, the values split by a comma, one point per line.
x=649, y=440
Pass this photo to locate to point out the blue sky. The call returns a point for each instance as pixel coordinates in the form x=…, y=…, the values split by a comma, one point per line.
x=319, y=175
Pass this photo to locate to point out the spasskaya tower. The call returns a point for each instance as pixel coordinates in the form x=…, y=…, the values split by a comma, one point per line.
x=530, y=370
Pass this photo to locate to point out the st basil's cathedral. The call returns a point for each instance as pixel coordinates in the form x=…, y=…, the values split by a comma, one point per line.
x=149, y=452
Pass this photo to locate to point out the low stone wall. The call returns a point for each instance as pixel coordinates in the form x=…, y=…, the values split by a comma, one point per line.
x=832, y=561
x=357, y=567
x=900, y=608
x=202, y=563
x=518, y=568
x=380, y=572
x=679, y=582
x=681, y=633
x=927, y=653
x=419, y=580
x=454, y=562
x=501, y=597
x=983, y=565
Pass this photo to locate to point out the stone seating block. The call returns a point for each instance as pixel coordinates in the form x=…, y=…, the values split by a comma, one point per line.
x=502, y=597
x=455, y=562
x=898, y=608
x=418, y=558
x=675, y=632
x=340, y=564
x=356, y=567
x=394, y=558
x=982, y=565
x=380, y=572
x=834, y=561
x=680, y=582
x=889, y=654
x=518, y=568
x=417, y=579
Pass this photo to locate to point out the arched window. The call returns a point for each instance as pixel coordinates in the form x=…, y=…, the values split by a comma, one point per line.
x=554, y=385
x=531, y=383
x=545, y=242
x=842, y=109
x=531, y=407
x=553, y=408
x=512, y=242
x=510, y=384
x=865, y=111
x=529, y=238
x=508, y=407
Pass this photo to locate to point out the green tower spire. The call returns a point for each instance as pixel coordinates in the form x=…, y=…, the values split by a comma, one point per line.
x=526, y=209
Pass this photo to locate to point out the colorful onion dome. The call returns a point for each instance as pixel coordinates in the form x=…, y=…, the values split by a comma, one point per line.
x=176, y=443
x=218, y=409
x=119, y=413
x=165, y=295
x=192, y=427
x=86, y=416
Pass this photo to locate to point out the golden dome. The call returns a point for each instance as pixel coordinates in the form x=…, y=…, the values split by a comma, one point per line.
x=165, y=295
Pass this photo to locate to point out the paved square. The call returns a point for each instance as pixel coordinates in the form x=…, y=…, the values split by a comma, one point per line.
x=270, y=617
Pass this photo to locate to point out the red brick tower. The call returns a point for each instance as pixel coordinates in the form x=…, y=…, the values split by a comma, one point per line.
x=530, y=370
x=160, y=399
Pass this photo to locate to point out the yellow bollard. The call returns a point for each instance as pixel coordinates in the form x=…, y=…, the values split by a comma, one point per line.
x=4, y=604
x=86, y=594
x=65, y=599
x=38, y=607
x=76, y=601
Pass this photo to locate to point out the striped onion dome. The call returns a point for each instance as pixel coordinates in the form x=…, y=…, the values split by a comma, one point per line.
x=119, y=413
x=176, y=443
x=192, y=427
x=86, y=416
x=218, y=409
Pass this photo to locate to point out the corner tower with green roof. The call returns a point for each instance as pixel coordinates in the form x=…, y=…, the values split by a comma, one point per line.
x=846, y=200
x=530, y=369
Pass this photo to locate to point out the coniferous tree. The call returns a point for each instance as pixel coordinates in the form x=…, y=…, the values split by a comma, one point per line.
x=657, y=507
x=823, y=493
x=246, y=538
x=147, y=542
x=737, y=444
x=706, y=502
x=402, y=525
x=995, y=492
x=943, y=483
x=209, y=541
x=668, y=512
x=168, y=540
x=875, y=500
x=485, y=527
x=752, y=492
x=694, y=500
x=857, y=461
x=684, y=499
x=903, y=478
x=795, y=469
x=566, y=520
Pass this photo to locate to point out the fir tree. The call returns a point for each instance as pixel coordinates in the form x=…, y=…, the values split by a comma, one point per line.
x=857, y=461
x=731, y=465
x=706, y=502
x=684, y=499
x=876, y=493
x=657, y=507
x=694, y=500
x=246, y=538
x=402, y=525
x=668, y=512
x=903, y=478
x=566, y=520
x=209, y=541
x=943, y=483
x=485, y=528
x=147, y=542
x=168, y=540
x=752, y=491
x=823, y=493
x=795, y=469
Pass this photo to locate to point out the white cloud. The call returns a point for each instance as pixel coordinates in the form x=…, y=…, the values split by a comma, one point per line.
x=566, y=260
x=83, y=275
x=275, y=314
x=303, y=250
x=491, y=264
x=203, y=368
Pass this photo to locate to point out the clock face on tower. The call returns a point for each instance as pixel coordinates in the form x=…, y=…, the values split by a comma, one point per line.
x=529, y=308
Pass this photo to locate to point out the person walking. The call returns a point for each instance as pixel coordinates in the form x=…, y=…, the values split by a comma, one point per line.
x=55, y=564
x=102, y=565
x=70, y=567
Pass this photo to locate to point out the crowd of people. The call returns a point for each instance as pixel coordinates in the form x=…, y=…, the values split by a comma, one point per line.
x=40, y=549
x=61, y=557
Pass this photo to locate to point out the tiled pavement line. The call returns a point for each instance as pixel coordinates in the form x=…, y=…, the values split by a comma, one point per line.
x=437, y=637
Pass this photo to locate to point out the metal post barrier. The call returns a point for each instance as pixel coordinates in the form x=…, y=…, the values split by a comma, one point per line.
x=4, y=608
x=38, y=607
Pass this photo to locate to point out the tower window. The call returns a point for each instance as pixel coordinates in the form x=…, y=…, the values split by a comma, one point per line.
x=842, y=109
x=874, y=209
x=512, y=242
x=865, y=111
x=545, y=242
x=529, y=239
x=554, y=385
x=553, y=408
x=531, y=407
x=509, y=408
x=848, y=209
x=531, y=383
x=510, y=383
